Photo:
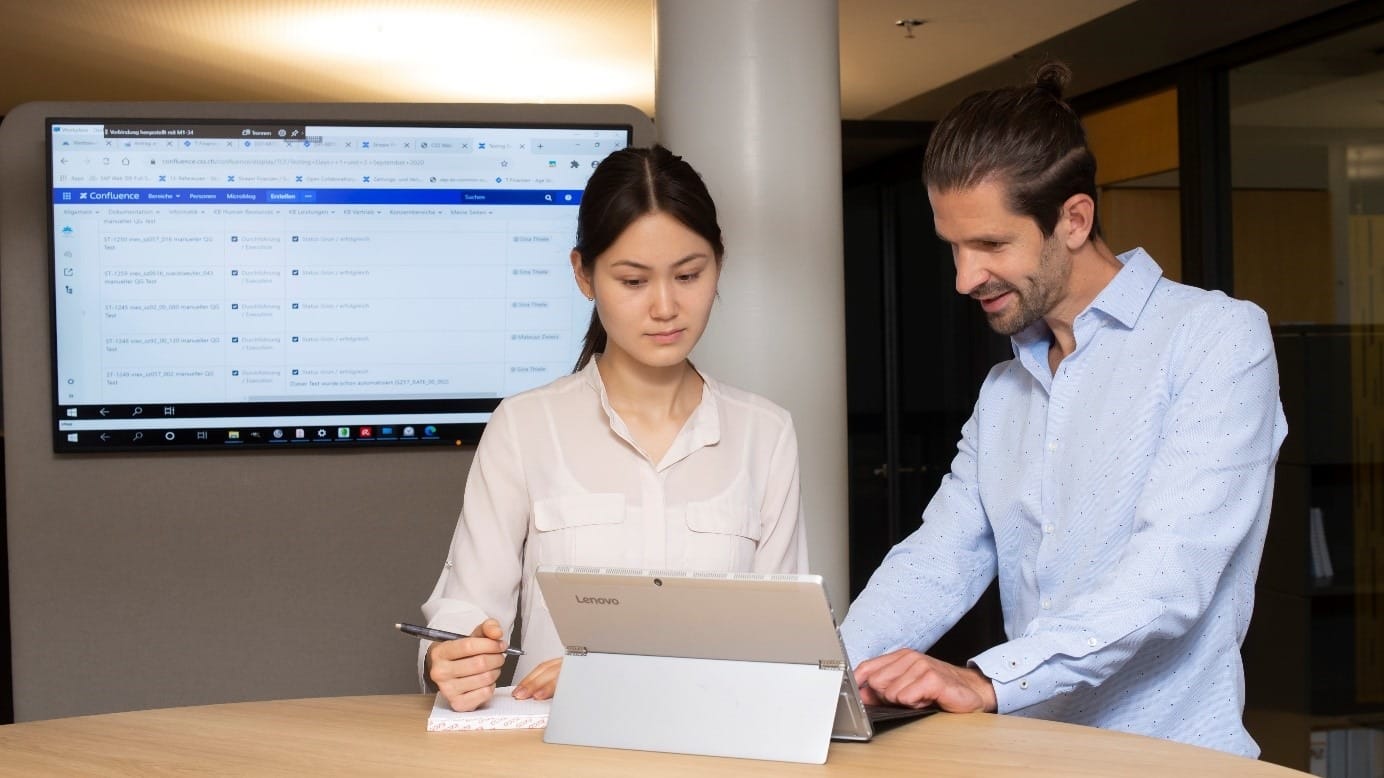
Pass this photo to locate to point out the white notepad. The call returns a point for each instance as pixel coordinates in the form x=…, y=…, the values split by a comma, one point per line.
x=502, y=712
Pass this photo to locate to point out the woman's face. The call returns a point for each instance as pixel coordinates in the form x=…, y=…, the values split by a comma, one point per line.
x=654, y=288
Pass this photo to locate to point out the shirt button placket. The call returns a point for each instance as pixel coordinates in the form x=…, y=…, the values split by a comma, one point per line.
x=655, y=520
x=1050, y=485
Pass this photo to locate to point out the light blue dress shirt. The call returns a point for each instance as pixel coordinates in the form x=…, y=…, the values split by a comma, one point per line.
x=1122, y=502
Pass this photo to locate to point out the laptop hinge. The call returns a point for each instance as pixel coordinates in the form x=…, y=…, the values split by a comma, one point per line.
x=831, y=664
x=576, y=651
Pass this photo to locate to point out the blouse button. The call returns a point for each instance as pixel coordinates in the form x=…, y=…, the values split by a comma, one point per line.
x=1023, y=684
x=1092, y=642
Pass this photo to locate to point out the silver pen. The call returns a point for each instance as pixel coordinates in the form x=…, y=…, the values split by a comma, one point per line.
x=442, y=635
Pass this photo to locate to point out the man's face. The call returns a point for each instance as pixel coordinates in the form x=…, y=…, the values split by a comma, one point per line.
x=1002, y=259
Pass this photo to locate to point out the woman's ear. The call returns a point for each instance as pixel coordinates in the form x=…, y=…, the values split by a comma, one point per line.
x=583, y=280
x=1079, y=216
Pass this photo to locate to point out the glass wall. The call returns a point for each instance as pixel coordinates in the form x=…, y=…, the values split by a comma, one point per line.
x=1307, y=175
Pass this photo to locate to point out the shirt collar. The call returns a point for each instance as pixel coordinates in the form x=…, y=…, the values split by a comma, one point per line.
x=1123, y=299
x=702, y=428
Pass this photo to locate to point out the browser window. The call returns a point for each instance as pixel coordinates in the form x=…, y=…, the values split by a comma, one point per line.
x=291, y=282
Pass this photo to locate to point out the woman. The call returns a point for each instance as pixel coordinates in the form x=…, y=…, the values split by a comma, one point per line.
x=635, y=460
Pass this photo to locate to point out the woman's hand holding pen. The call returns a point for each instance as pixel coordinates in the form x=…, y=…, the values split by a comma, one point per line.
x=465, y=670
x=541, y=682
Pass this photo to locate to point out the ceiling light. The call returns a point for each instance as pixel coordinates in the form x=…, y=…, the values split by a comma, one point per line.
x=908, y=25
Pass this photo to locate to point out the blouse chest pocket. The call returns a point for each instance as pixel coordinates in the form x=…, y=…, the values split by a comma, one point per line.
x=584, y=529
x=722, y=536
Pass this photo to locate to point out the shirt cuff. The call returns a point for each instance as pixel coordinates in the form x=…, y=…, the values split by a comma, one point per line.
x=1038, y=667
x=1015, y=670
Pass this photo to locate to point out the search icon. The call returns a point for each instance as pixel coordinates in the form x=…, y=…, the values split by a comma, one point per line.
x=138, y=411
x=548, y=197
x=137, y=436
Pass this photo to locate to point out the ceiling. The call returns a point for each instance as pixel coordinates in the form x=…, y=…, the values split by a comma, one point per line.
x=463, y=50
x=1337, y=84
x=603, y=51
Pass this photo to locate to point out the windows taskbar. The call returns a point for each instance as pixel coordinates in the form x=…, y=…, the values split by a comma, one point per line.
x=288, y=436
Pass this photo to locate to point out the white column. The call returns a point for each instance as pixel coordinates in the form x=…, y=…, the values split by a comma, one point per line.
x=749, y=92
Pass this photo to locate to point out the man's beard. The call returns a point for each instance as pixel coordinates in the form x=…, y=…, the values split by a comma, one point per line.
x=1042, y=291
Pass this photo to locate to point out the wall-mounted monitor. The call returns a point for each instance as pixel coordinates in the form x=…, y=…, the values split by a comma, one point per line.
x=264, y=282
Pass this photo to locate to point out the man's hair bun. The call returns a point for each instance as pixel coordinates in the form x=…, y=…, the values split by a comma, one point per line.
x=1053, y=77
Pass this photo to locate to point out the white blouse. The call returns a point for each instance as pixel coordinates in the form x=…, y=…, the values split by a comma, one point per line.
x=558, y=479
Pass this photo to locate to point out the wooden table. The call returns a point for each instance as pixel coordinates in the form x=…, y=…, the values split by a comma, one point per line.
x=386, y=735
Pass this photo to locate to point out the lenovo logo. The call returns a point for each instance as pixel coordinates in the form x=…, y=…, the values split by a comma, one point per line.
x=596, y=600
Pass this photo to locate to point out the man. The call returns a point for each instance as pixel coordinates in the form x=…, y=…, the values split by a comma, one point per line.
x=1116, y=474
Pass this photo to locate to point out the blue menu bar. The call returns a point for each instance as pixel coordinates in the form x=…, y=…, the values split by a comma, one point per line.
x=317, y=196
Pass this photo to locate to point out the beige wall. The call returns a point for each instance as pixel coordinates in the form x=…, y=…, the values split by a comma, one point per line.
x=1282, y=243
x=1283, y=256
x=1148, y=218
x=1134, y=139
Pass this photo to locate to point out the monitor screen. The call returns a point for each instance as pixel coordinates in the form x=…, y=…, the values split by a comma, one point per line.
x=254, y=284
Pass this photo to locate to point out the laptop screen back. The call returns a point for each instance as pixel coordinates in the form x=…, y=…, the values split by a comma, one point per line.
x=738, y=616
x=780, y=619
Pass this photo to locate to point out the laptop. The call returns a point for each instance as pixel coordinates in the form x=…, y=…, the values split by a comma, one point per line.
x=725, y=664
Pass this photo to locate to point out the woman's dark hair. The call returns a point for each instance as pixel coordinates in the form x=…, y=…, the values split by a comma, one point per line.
x=627, y=185
x=1024, y=137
